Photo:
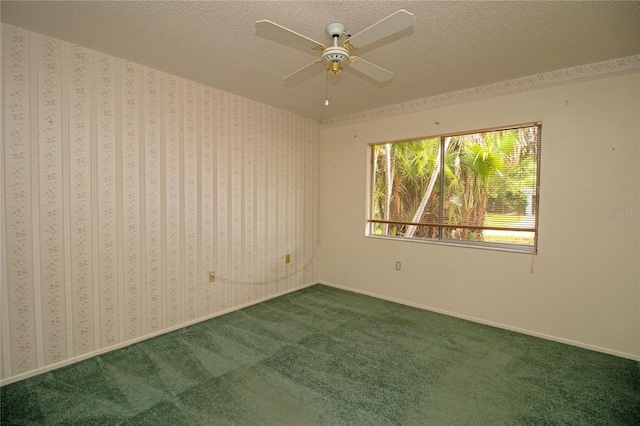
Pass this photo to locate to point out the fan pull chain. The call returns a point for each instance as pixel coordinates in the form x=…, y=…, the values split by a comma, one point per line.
x=326, y=101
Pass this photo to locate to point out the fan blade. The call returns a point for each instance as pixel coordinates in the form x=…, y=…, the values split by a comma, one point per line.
x=370, y=70
x=287, y=37
x=393, y=23
x=303, y=73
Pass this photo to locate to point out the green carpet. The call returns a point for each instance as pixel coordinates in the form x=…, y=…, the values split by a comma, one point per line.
x=323, y=356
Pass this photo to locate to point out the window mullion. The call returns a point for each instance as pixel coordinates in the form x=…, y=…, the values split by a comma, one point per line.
x=441, y=172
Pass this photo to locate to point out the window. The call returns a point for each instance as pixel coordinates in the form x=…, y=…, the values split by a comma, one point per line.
x=476, y=189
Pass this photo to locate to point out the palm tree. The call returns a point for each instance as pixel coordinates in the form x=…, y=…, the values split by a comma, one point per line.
x=486, y=164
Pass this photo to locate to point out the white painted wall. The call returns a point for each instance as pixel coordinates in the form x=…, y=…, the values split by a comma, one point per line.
x=584, y=287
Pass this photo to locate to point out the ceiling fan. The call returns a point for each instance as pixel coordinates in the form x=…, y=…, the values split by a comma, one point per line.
x=335, y=57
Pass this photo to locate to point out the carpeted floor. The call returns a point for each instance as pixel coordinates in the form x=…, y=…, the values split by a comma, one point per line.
x=323, y=356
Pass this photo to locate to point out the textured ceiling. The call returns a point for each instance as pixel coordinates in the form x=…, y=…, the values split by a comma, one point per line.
x=453, y=45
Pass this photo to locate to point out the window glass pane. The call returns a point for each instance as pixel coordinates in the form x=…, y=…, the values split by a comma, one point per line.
x=490, y=181
x=478, y=187
x=406, y=186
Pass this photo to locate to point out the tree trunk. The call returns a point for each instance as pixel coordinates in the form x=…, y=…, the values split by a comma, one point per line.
x=387, y=188
x=411, y=229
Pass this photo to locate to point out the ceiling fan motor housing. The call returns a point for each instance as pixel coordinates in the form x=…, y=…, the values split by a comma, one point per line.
x=335, y=54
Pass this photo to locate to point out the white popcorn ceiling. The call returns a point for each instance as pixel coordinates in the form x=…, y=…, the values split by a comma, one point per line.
x=453, y=45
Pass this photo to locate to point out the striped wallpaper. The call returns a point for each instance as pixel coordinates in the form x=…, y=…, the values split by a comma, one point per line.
x=122, y=186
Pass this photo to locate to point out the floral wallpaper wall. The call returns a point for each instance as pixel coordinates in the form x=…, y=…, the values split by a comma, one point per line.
x=123, y=186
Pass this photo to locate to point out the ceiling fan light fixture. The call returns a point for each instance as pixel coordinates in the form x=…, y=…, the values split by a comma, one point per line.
x=335, y=68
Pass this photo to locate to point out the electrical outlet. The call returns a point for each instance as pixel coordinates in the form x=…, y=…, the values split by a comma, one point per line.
x=287, y=259
x=398, y=265
x=212, y=276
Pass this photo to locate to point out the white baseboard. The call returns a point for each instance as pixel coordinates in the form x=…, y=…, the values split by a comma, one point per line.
x=492, y=324
x=88, y=355
x=101, y=351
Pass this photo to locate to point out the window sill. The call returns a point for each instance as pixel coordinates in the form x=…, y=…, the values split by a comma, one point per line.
x=511, y=248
